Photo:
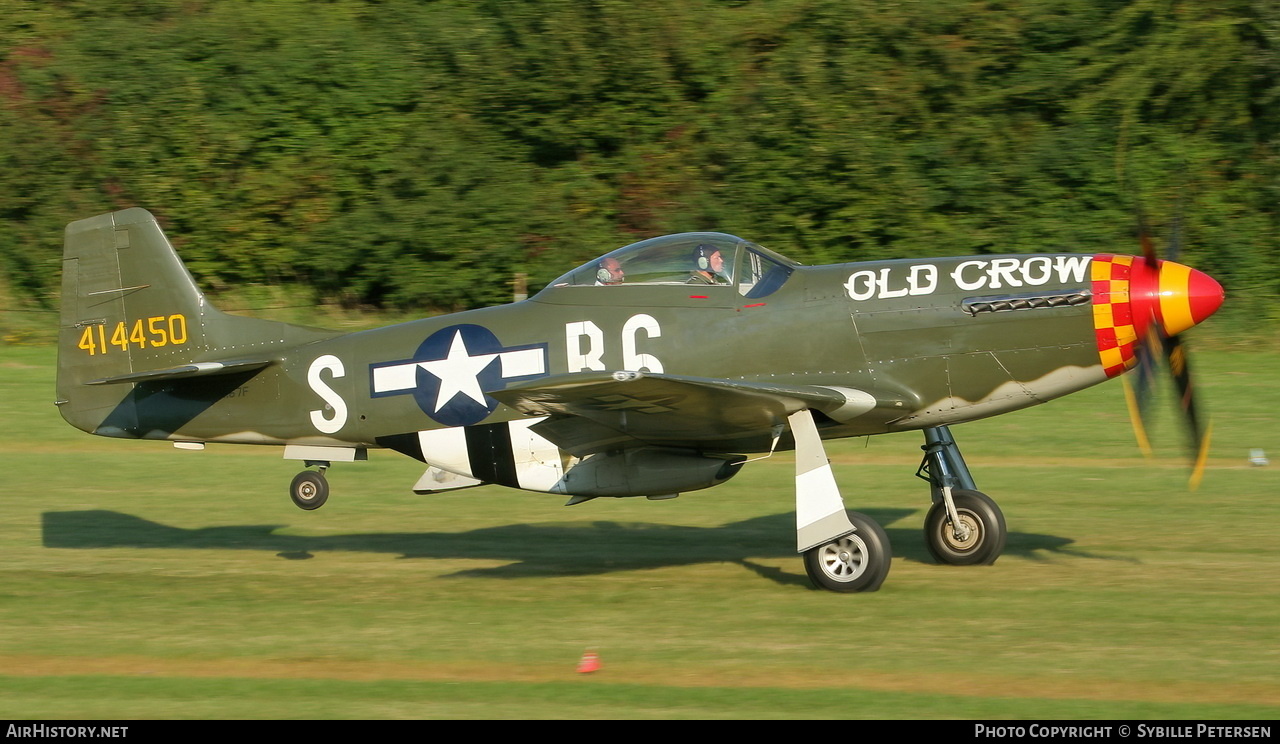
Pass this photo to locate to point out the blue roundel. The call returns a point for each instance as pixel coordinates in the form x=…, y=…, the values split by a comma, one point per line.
x=479, y=348
x=453, y=369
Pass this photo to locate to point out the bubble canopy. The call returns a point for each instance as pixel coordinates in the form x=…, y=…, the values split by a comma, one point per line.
x=701, y=258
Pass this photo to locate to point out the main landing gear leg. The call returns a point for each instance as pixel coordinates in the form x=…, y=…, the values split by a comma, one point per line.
x=309, y=489
x=964, y=527
x=843, y=551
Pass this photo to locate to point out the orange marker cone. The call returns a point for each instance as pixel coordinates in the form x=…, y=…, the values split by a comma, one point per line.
x=590, y=663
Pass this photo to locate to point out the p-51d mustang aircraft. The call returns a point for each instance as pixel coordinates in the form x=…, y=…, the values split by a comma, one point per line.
x=650, y=371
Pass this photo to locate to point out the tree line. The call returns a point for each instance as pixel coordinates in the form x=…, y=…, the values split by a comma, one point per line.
x=416, y=154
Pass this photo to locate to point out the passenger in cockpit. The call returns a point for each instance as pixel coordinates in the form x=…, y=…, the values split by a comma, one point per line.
x=708, y=266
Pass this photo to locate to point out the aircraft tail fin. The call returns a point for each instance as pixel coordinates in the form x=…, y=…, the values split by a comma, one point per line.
x=131, y=313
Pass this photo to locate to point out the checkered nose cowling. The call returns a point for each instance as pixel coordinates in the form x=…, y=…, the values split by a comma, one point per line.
x=1131, y=295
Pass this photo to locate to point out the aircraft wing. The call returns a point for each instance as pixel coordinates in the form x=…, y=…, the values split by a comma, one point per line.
x=591, y=411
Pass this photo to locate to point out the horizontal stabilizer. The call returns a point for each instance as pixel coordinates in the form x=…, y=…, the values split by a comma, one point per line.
x=195, y=369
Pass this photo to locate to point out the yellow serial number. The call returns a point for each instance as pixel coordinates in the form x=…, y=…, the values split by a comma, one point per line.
x=151, y=332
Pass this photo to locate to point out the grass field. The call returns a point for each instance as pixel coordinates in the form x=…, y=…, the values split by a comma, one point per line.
x=139, y=581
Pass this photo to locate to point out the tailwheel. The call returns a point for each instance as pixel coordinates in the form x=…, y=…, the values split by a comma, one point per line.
x=857, y=562
x=309, y=490
x=978, y=537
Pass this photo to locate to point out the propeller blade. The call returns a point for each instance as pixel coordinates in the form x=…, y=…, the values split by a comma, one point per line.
x=1139, y=389
x=1167, y=298
x=1197, y=469
x=1180, y=370
x=1136, y=416
x=1148, y=248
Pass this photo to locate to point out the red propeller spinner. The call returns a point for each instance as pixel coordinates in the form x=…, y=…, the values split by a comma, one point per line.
x=1132, y=294
x=1141, y=305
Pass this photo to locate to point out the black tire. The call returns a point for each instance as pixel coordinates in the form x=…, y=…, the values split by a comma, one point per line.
x=987, y=532
x=309, y=490
x=857, y=562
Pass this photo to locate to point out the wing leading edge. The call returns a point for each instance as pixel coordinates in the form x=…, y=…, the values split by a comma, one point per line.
x=593, y=411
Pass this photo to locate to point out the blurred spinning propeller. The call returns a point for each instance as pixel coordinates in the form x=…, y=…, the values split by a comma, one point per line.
x=1167, y=298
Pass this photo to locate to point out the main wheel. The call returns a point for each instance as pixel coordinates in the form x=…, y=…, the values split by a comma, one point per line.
x=981, y=535
x=857, y=562
x=309, y=490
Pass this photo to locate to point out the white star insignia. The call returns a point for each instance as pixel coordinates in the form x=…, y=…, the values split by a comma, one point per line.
x=459, y=372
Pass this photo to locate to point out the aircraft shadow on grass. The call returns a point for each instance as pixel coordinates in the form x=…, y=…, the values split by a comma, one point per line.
x=551, y=549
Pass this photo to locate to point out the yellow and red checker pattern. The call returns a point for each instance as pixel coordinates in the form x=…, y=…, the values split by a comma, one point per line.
x=1128, y=294
x=1113, y=312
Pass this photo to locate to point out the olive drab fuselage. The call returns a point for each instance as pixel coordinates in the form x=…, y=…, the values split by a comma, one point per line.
x=652, y=370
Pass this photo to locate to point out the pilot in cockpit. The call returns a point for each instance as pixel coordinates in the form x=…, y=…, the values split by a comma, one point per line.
x=708, y=266
x=609, y=272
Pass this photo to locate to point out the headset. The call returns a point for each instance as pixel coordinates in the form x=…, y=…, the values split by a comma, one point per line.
x=702, y=256
x=605, y=275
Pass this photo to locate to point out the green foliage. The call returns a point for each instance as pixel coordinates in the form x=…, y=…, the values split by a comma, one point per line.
x=417, y=155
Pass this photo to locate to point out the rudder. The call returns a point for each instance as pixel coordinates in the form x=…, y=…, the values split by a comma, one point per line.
x=132, y=313
x=128, y=303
